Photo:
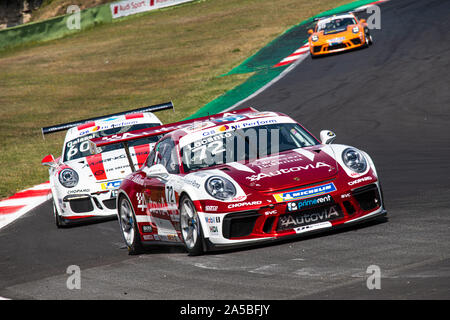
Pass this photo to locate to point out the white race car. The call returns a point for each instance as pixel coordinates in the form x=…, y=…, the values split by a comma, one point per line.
x=84, y=185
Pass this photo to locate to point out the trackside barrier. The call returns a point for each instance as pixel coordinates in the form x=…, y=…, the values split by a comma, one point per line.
x=128, y=7
x=57, y=27
x=54, y=28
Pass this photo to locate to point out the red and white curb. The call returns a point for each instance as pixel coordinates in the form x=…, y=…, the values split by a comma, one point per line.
x=301, y=52
x=362, y=8
x=22, y=202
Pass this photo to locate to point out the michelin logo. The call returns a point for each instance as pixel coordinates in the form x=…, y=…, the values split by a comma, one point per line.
x=305, y=193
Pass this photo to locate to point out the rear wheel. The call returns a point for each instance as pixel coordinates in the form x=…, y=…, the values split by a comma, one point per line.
x=191, y=229
x=128, y=225
x=368, y=38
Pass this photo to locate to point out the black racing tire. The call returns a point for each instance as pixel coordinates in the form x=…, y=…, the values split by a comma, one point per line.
x=129, y=227
x=191, y=229
x=58, y=221
x=368, y=38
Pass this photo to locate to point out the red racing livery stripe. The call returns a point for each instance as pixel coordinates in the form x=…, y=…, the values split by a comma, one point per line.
x=142, y=153
x=95, y=163
x=86, y=125
x=134, y=116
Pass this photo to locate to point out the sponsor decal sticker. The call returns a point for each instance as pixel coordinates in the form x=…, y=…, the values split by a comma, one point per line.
x=310, y=227
x=346, y=195
x=141, y=201
x=212, y=219
x=290, y=221
x=78, y=191
x=357, y=181
x=213, y=230
x=244, y=204
x=147, y=229
x=271, y=212
x=305, y=193
x=147, y=237
x=284, y=171
x=308, y=203
x=111, y=185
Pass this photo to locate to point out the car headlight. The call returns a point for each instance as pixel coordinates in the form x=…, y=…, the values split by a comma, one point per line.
x=355, y=29
x=354, y=160
x=314, y=38
x=68, y=178
x=220, y=188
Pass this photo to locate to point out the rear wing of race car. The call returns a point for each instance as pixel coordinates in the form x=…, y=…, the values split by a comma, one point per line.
x=124, y=138
x=333, y=15
x=66, y=126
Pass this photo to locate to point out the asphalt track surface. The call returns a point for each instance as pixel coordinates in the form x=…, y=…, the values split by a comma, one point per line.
x=391, y=100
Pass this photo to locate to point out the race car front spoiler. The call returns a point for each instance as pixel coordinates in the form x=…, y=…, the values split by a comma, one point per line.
x=210, y=246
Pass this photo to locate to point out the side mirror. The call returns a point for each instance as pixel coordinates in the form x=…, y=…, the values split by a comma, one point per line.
x=157, y=171
x=49, y=161
x=362, y=20
x=310, y=31
x=327, y=136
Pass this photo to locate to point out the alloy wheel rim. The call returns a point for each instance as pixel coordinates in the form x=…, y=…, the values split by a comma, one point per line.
x=126, y=222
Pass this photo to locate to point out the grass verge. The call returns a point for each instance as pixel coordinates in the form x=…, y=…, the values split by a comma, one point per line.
x=174, y=54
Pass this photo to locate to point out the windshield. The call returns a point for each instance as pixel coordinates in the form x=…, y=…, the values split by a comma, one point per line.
x=244, y=145
x=335, y=24
x=79, y=147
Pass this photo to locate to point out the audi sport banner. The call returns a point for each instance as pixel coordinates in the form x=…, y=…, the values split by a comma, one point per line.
x=128, y=7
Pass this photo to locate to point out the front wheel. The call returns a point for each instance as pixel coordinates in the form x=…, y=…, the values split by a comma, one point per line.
x=58, y=220
x=191, y=229
x=128, y=225
x=368, y=39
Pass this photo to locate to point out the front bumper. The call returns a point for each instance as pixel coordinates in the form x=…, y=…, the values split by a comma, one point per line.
x=268, y=224
x=211, y=246
x=86, y=207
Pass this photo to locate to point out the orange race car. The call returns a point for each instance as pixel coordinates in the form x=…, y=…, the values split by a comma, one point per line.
x=338, y=33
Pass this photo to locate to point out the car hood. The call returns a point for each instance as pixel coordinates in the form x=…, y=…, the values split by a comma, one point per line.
x=288, y=169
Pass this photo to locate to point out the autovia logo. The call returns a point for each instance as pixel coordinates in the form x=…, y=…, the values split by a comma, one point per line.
x=305, y=193
x=111, y=185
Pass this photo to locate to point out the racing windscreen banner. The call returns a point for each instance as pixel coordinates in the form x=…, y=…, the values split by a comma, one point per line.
x=191, y=126
x=129, y=7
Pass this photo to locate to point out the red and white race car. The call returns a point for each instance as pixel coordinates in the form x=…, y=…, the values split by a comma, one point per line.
x=240, y=178
x=83, y=185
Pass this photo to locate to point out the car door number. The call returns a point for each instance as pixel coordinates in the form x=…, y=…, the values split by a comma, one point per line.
x=170, y=195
